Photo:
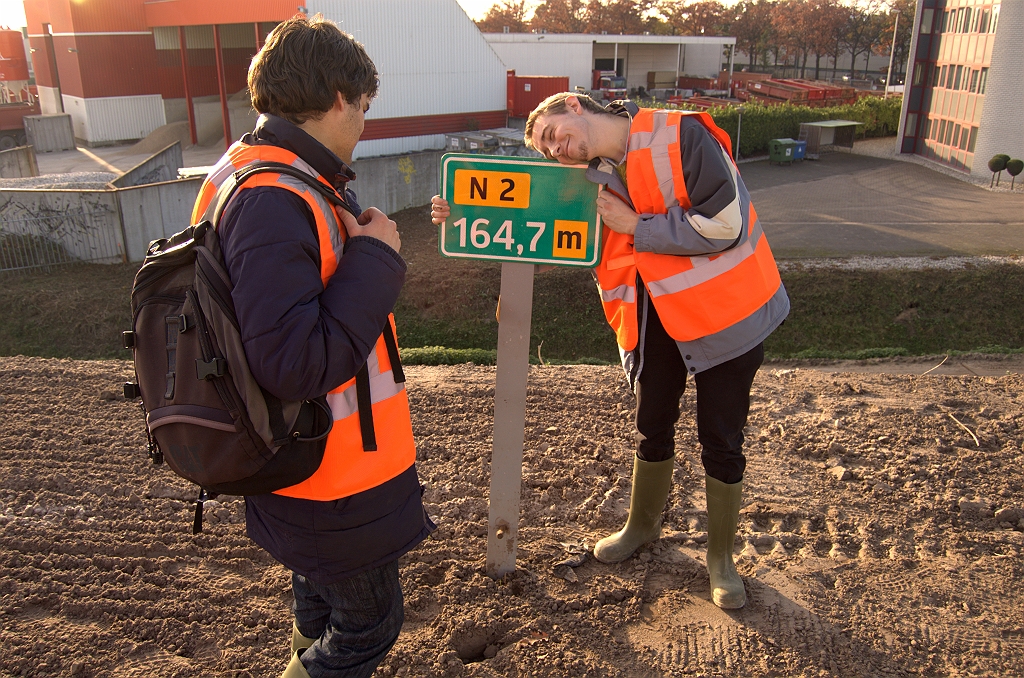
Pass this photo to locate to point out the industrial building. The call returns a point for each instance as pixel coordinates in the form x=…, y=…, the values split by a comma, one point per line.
x=633, y=57
x=965, y=84
x=117, y=66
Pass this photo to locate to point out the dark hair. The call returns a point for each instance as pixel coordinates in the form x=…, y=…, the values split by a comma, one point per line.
x=303, y=65
x=555, y=105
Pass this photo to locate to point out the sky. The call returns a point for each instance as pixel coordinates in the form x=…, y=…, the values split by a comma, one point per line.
x=12, y=14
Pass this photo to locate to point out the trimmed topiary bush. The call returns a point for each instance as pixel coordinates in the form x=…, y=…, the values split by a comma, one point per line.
x=1013, y=168
x=997, y=164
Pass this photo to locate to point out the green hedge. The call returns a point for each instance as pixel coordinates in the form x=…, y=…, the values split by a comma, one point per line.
x=762, y=123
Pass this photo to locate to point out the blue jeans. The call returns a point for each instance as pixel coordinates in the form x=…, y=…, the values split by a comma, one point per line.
x=355, y=621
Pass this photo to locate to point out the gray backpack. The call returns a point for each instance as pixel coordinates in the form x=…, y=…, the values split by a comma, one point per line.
x=205, y=414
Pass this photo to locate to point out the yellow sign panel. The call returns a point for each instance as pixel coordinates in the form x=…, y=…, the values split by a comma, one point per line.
x=492, y=189
x=570, y=239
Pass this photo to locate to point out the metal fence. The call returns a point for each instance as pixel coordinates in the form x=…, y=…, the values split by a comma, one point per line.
x=44, y=241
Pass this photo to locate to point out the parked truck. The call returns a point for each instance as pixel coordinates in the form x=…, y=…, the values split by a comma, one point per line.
x=12, y=125
x=609, y=86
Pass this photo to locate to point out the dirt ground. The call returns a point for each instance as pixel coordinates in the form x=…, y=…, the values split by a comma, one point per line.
x=881, y=534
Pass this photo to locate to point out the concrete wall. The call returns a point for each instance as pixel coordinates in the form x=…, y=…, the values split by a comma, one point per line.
x=85, y=224
x=162, y=166
x=48, y=133
x=550, y=57
x=49, y=100
x=396, y=182
x=155, y=211
x=119, y=223
x=18, y=162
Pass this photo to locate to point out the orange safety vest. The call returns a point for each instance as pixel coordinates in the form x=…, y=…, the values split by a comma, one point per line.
x=347, y=468
x=695, y=296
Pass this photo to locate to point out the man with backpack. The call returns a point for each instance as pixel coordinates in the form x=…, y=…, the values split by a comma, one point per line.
x=689, y=286
x=313, y=287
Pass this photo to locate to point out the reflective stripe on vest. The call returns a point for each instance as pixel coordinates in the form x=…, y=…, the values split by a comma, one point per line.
x=346, y=468
x=695, y=296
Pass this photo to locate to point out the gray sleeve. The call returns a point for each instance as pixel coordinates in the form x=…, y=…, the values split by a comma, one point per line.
x=714, y=221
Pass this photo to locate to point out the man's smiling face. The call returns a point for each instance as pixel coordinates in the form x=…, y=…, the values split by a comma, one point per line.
x=563, y=137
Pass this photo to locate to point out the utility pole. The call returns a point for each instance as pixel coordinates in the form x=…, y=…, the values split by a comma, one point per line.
x=892, y=54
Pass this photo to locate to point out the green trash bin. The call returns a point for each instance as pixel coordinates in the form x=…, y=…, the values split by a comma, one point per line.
x=781, y=150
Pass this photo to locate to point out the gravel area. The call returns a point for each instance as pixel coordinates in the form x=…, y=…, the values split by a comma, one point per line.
x=79, y=180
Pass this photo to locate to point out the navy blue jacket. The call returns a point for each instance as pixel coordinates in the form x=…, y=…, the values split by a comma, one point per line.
x=303, y=339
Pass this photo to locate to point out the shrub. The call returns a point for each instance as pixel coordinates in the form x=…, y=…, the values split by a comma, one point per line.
x=762, y=123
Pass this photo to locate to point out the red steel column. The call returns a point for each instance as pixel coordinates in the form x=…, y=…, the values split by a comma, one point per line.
x=188, y=92
x=259, y=38
x=221, y=88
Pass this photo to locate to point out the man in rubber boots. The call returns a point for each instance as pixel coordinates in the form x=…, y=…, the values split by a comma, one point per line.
x=314, y=286
x=689, y=285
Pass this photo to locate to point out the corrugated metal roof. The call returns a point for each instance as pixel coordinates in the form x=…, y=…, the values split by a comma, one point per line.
x=431, y=57
x=601, y=39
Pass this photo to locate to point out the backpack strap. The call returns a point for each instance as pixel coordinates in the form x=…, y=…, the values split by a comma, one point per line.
x=232, y=183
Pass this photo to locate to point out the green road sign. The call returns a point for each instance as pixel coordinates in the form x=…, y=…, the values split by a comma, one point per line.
x=524, y=210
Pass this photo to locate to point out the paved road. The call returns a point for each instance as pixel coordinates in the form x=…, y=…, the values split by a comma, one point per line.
x=842, y=205
x=853, y=205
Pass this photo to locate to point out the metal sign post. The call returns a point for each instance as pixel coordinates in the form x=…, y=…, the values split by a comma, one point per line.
x=509, y=416
x=522, y=212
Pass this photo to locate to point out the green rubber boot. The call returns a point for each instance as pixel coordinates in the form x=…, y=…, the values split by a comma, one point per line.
x=727, y=589
x=299, y=641
x=295, y=669
x=651, y=482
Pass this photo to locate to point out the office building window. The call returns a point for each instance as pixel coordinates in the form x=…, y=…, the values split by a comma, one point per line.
x=911, y=130
x=942, y=131
x=956, y=78
x=964, y=134
x=982, y=79
x=972, y=140
x=942, y=76
x=927, y=16
x=995, y=19
x=983, y=21
x=974, y=80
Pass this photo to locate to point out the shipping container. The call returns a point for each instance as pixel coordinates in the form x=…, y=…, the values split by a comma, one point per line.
x=526, y=91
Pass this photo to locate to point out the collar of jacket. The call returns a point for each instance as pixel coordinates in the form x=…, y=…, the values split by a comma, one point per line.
x=270, y=129
x=602, y=170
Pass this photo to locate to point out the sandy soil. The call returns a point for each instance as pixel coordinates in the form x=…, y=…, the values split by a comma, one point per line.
x=881, y=534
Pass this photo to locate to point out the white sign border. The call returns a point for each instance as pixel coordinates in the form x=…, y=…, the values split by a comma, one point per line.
x=522, y=260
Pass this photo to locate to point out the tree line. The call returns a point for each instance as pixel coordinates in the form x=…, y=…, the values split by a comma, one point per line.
x=804, y=34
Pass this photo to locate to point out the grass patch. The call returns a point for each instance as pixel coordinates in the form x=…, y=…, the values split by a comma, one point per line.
x=445, y=314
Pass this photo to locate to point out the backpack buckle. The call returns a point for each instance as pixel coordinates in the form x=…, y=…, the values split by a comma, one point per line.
x=128, y=339
x=131, y=390
x=211, y=369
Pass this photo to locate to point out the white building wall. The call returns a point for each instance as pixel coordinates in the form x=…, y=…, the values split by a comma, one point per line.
x=547, y=56
x=1001, y=129
x=431, y=58
x=113, y=119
